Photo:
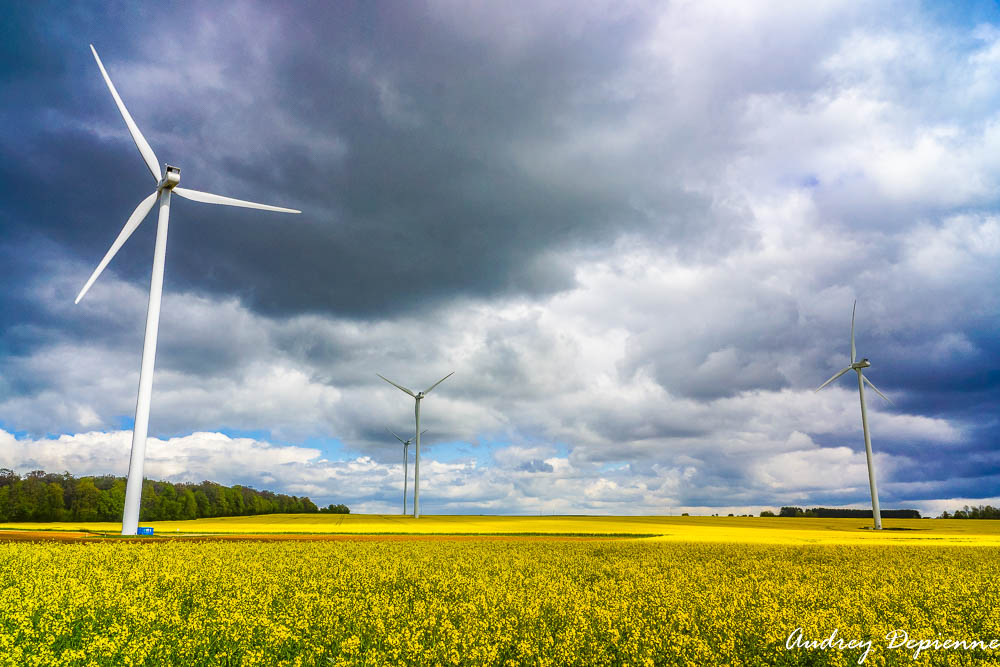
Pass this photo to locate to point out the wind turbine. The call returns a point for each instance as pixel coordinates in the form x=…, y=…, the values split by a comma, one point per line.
x=166, y=183
x=857, y=366
x=406, y=461
x=416, y=411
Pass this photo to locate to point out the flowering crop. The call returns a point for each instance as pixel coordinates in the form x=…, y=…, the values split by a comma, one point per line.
x=676, y=528
x=484, y=602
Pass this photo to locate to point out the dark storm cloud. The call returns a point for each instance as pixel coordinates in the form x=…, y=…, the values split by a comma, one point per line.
x=419, y=194
x=535, y=466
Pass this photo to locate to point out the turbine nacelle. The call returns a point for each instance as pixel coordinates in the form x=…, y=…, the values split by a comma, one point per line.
x=171, y=177
x=864, y=363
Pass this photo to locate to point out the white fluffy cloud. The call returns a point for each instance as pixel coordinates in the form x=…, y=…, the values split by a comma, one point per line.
x=517, y=479
x=586, y=428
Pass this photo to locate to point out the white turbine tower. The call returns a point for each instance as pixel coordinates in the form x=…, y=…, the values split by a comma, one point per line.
x=857, y=366
x=166, y=183
x=406, y=461
x=416, y=411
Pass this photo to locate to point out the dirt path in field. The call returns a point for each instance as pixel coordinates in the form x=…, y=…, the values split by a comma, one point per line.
x=56, y=536
x=41, y=536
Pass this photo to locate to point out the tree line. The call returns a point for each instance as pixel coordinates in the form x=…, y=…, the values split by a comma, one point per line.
x=838, y=513
x=41, y=496
x=980, y=512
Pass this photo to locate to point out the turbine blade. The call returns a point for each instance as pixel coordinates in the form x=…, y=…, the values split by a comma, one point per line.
x=137, y=216
x=395, y=436
x=391, y=382
x=853, y=354
x=428, y=390
x=209, y=198
x=424, y=431
x=833, y=378
x=876, y=389
x=140, y=141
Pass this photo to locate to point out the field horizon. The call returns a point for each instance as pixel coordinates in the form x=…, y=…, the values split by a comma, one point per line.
x=762, y=530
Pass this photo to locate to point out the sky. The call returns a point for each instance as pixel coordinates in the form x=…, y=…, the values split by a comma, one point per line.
x=634, y=232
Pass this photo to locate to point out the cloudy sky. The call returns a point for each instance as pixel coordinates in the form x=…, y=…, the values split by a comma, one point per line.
x=634, y=231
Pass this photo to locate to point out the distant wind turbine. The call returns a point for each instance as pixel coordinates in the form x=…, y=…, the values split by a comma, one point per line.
x=406, y=461
x=416, y=411
x=857, y=366
x=165, y=184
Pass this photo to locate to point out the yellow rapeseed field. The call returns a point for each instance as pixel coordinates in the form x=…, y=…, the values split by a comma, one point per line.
x=493, y=601
x=676, y=528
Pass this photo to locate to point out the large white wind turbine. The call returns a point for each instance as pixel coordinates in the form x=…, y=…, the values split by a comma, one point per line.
x=857, y=366
x=166, y=183
x=406, y=461
x=416, y=411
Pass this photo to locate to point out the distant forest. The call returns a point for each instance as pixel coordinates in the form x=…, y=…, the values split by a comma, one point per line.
x=839, y=513
x=981, y=512
x=41, y=496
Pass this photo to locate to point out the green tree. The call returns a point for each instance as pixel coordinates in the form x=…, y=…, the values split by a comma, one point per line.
x=235, y=497
x=111, y=505
x=170, y=504
x=30, y=502
x=151, y=508
x=86, y=501
x=336, y=509
x=189, y=505
x=55, y=509
x=204, y=504
x=8, y=477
